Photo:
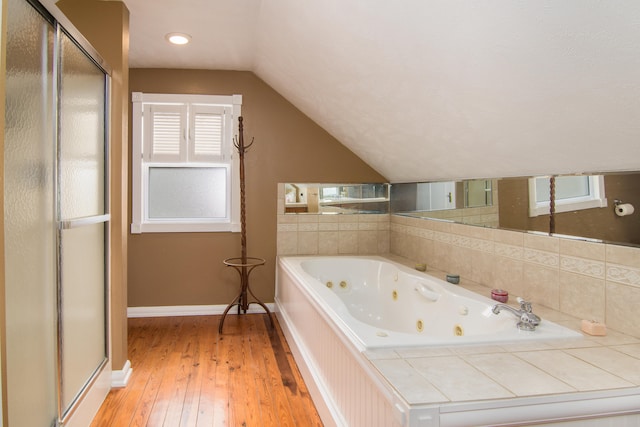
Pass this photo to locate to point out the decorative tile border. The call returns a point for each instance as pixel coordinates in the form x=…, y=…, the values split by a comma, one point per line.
x=287, y=227
x=583, y=266
x=328, y=226
x=412, y=231
x=463, y=241
x=425, y=234
x=348, y=226
x=548, y=259
x=308, y=226
x=287, y=219
x=328, y=218
x=367, y=226
x=482, y=245
x=623, y=274
x=508, y=251
x=442, y=237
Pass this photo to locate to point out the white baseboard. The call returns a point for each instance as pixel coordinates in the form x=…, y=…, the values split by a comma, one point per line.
x=190, y=310
x=121, y=378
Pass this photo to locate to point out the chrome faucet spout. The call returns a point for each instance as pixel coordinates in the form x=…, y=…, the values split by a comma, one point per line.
x=527, y=320
x=499, y=307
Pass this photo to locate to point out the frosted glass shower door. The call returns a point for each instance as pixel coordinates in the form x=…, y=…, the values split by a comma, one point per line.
x=82, y=221
x=29, y=218
x=55, y=220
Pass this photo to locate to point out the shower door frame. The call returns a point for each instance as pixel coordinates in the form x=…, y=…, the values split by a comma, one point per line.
x=89, y=398
x=81, y=409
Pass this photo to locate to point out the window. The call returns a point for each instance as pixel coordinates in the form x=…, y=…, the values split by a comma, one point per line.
x=185, y=173
x=571, y=193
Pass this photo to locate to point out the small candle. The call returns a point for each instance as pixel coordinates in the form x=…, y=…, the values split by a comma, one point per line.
x=500, y=295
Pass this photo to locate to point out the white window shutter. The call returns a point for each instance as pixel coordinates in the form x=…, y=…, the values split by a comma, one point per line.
x=165, y=133
x=207, y=142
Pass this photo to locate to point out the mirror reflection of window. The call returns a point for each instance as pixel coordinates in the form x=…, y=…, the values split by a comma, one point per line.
x=477, y=193
x=571, y=193
x=511, y=199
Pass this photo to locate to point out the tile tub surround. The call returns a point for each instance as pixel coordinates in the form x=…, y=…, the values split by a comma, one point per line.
x=546, y=382
x=567, y=280
x=331, y=234
x=340, y=234
x=591, y=368
x=587, y=280
x=477, y=378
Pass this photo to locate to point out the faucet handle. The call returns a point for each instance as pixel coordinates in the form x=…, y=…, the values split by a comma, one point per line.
x=524, y=305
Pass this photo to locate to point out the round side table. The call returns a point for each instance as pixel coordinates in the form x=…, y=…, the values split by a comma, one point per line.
x=242, y=299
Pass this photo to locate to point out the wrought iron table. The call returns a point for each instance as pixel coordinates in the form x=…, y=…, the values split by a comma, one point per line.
x=244, y=267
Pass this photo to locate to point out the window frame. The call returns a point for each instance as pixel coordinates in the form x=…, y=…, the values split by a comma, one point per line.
x=141, y=223
x=595, y=199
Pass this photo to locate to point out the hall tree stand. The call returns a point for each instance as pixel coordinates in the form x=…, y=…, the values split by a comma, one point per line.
x=243, y=264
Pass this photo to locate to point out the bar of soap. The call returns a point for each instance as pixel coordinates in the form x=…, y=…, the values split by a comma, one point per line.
x=592, y=327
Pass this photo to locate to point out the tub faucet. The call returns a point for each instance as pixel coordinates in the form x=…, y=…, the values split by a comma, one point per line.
x=528, y=320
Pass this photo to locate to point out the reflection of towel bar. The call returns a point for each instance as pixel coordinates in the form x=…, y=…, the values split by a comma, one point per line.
x=81, y=222
x=426, y=292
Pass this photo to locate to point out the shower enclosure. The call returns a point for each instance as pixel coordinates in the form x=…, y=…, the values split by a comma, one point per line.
x=55, y=219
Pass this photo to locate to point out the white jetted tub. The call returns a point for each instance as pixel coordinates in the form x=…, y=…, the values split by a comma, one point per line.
x=344, y=315
x=377, y=303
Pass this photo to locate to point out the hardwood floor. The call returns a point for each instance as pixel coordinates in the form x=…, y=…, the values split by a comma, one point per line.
x=185, y=374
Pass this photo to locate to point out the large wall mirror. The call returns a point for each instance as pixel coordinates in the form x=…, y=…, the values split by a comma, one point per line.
x=340, y=198
x=584, y=205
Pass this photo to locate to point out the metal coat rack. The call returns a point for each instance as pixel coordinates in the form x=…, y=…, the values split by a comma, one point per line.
x=243, y=264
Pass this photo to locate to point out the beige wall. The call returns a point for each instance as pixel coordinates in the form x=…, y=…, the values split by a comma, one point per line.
x=105, y=24
x=4, y=420
x=186, y=268
x=603, y=223
x=514, y=207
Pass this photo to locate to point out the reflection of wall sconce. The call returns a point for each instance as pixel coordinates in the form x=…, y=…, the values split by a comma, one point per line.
x=622, y=209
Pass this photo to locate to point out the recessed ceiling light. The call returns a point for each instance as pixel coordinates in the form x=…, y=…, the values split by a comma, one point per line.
x=178, y=38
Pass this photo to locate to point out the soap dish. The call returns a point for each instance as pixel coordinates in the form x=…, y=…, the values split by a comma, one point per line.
x=453, y=278
x=593, y=327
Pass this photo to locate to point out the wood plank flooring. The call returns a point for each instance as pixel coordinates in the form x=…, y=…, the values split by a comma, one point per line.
x=186, y=374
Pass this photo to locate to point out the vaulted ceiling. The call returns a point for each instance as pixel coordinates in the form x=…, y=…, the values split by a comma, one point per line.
x=430, y=89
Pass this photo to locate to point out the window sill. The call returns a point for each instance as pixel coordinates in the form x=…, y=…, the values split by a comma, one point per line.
x=543, y=209
x=199, y=227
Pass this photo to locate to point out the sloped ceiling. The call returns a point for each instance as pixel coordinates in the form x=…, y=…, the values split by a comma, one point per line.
x=430, y=89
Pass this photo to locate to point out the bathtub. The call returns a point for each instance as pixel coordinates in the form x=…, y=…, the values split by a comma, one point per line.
x=339, y=314
x=378, y=303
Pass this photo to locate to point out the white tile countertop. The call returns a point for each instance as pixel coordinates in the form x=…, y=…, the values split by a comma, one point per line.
x=454, y=374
